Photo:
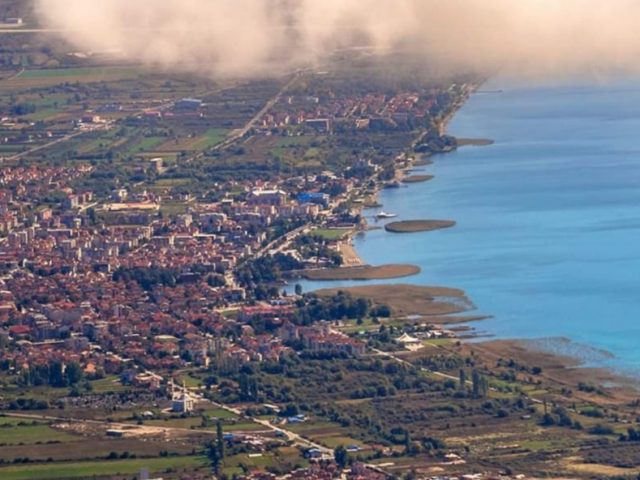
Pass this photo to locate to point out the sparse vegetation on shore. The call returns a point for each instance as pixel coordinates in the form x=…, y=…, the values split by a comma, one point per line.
x=417, y=178
x=474, y=142
x=414, y=226
x=406, y=300
x=365, y=272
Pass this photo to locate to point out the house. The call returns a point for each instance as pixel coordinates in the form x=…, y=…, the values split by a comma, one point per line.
x=274, y=198
x=188, y=104
x=320, y=125
x=157, y=164
x=316, y=198
x=313, y=453
x=409, y=342
x=270, y=314
x=91, y=119
x=296, y=419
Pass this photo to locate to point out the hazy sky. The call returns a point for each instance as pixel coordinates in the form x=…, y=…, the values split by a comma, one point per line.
x=528, y=38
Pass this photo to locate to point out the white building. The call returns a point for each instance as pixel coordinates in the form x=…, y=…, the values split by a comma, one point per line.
x=181, y=401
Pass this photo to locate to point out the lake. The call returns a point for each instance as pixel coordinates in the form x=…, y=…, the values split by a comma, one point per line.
x=548, y=234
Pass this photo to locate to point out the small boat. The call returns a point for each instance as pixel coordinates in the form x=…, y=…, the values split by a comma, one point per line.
x=386, y=215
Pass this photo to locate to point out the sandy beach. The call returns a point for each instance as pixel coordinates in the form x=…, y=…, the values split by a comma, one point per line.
x=349, y=254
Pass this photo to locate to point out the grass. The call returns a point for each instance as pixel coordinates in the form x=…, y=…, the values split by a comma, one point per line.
x=188, y=422
x=330, y=234
x=208, y=139
x=49, y=77
x=409, y=299
x=43, y=114
x=264, y=461
x=85, y=449
x=211, y=138
x=287, y=458
x=14, y=421
x=32, y=434
x=171, y=182
x=537, y=445
x=294, y=141
x=312, y=153
x=220, y=413
x=352, y=326
x=79, y=72
x=334, y=442
x=191, y=382
x=145, y=144
x=244, y=427
x=108, y=384
x=170, y=209
x=104, y=468
x=440, y=342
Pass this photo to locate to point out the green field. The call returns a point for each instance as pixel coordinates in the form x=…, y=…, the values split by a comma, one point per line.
x=14, y=421
x=330, y=234
x=61, y=73
x=32, y=434
x=49, y=77
x=92, y=469
x=210, y=139
x=189, y=422
x=220, y=413
x=145, y=144
x=108, y=384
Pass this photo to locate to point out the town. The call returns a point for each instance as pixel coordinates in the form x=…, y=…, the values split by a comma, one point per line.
x=174, y=251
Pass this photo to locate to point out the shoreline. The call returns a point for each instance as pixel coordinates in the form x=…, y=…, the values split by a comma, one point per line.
x=570, y=369
x=561, y=369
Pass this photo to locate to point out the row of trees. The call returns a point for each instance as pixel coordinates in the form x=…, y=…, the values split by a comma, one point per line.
x=215, y=449
x=56, y=375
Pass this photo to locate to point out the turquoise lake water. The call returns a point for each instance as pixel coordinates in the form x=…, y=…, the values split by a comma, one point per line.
x=548, y=234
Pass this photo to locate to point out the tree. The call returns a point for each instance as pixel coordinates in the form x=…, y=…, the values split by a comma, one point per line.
x=220, y=439
x=56, y=374
x=216, y=280
x=214, y=456
x=341, y=456
x=298, y=289
x=408, y=443
x=463, y=378
x=480, y=384
x=91, y=213
x=73, y=373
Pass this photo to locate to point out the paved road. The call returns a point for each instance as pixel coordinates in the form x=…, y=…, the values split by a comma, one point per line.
x=237, y=135
x=47, y=145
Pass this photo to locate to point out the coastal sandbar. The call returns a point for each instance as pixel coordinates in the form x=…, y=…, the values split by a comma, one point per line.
x=363, y=272
x=417, y=178
x=414, y=226
x=408, y=300
x=474, y=142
